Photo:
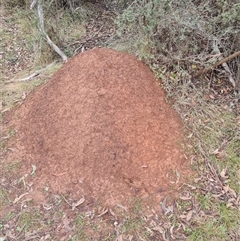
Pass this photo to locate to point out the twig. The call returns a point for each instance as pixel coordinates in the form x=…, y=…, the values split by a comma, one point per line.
x=214, y=173
x=221, y=62
x=66, y=200
x=32, y=237
x=18, y=198
x=32, y=76
x=33, y=4
x=41, y=28
x=59, y=174
x=18, y=235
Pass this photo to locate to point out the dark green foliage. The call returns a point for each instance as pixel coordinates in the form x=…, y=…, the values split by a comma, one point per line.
x=171, y=31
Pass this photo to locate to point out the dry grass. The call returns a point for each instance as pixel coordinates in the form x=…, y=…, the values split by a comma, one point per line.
x=210, y=206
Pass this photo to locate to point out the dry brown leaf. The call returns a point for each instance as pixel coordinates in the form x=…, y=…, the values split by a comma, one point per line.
x=34, y=168
x=183, y=226
x=166, y=209
x=128, y=237
x=238, y=174
x=198, y=179
x=90, y=214
x=189, y=215
x=185, y=198
x=119, y=238
x=46, y=206
x=225, y=189
x=223, y=173
x=158, y=229
x=46, y=237
x=229, y=205
x=171, y=232
x=229, y=190
x=153, y=223
x=10, y=235
x=215, y=151
x=164, y=236
x=149, y=230
x=18, y=198
x=121, y=206
x=66, y=223
x=103, y=211
x=59, y=174
x=237, y=203
x=231, y=200
x=192, y=187
x=112, y=213
x=221, y=154
x=24, y=96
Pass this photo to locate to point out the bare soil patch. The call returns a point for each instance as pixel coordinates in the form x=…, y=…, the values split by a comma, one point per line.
x=100, y=128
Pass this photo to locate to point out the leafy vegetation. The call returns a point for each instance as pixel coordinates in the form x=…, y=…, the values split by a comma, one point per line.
x=180, y=34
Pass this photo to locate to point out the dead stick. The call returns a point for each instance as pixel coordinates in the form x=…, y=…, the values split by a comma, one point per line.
x=203, y=71
x=41, y=27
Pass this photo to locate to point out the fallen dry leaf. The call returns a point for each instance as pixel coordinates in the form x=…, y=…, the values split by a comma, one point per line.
x=237, y=203
x=102, y=212
x=228, y=205
x=121, y=206
x=18, y=198
x=183, y=216
x=223, y=173
x=229, y=190
x=221, y=154
x=59, y=174
x=189, y=215
x=171, y=232
x=238, y=174
x=119, y=238
x=196, y=180
x=112, y=213
x=184, y=198
x=66, y=223
x=34, y=168
x=158, y=229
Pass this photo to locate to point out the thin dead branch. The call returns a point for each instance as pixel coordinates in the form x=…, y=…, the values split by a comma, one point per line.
x=221, y=62
x=33, y=4
x=33, y=75
x=41, y=28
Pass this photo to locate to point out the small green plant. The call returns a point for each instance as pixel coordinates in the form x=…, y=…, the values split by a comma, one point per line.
x=4, y=200
x=169, y=32
x=222, y=226
x=12, y=132
x=14, y=166
x=205, y=202
x=232, y=163
x=28, y=221
x=81, y=224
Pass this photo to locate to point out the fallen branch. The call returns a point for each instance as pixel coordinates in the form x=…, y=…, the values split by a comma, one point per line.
x=221, y=62
x=32, y=76
x=41, y=27
x=33, y=4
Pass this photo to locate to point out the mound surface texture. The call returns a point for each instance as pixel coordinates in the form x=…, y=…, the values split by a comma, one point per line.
x=100, y=128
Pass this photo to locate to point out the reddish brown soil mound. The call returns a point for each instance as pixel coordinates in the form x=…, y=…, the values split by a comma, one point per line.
x=100, y=128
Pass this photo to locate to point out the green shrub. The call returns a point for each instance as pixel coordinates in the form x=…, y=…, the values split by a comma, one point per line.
x=180, y=32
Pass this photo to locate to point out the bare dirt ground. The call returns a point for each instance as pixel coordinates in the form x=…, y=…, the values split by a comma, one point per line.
x=100, y=129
